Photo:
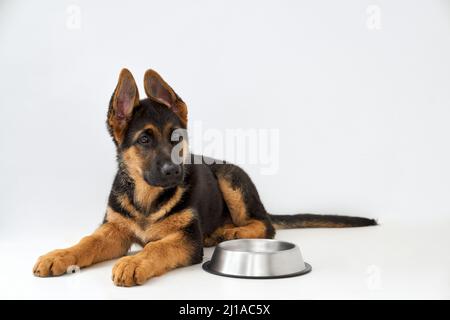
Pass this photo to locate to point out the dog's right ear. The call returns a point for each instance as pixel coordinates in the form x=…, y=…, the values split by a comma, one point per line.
x=123, y=101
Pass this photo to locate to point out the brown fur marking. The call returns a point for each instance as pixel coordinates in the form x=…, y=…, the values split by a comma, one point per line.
x=132, y=226
x=235, y=202
x=107, y=242
x=253, y=230
x=154, y=231
x=134, y=162
x=143, y=220
x=166, y=207
x=151, y=127
x=144, y=193
x=217, y=236
x=127, y=205
x=155, y=259
x=169, y=225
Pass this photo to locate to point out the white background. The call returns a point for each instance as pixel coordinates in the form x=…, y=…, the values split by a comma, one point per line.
x=363, y=117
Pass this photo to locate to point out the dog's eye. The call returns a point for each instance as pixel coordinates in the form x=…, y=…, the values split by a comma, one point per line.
x=144, y=139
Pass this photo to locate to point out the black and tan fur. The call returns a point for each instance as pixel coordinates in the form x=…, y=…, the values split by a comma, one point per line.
x=173, y=214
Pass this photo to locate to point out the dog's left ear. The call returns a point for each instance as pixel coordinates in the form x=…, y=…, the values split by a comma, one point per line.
x=157, y=89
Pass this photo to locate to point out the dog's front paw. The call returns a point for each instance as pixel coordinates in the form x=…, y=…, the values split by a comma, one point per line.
x=54, y=263
x=130, y=271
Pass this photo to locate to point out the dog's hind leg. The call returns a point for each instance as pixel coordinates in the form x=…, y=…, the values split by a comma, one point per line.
x=254, y=229
x=248, y=215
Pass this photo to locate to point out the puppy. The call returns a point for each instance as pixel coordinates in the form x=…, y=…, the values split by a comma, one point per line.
x=167, y=200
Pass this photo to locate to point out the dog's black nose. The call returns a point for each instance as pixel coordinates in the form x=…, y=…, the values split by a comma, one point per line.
x=170, y=169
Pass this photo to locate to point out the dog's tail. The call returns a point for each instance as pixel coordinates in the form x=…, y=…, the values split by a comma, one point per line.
x=318, y=221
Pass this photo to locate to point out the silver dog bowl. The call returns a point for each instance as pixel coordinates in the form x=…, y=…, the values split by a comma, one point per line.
x=257, y=259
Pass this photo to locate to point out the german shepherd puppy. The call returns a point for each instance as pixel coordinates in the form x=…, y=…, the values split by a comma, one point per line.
x=171, y=208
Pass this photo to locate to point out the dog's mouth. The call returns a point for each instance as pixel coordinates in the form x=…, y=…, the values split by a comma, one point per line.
x=165, y=183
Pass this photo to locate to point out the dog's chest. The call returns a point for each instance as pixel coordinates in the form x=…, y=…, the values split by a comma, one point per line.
x=144, y=230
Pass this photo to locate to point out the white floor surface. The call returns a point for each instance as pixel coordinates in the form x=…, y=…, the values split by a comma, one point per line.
x=385, y=262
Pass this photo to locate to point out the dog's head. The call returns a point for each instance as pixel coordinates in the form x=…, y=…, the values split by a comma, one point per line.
x=149, y=134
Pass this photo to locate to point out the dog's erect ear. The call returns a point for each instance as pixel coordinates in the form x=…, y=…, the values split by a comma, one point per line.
x=157, y=89
x=124, y=99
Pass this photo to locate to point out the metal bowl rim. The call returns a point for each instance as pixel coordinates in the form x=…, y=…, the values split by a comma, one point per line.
x=306, y=270
x=222, y=246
